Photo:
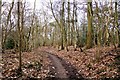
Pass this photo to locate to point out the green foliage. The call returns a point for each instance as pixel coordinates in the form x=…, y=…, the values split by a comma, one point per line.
x=9, y=43
x=81, y=41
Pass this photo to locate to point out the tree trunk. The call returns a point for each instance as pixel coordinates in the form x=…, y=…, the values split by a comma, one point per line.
x=63, y=27
x=73, y=25
x=116, y=22
x=59, y=24
x=22, y=28
x=0, y=18
x=90, y=28
x=5, y=30
x=76, y=33
x=98, y=26
x=20, y=40
x=69, y=22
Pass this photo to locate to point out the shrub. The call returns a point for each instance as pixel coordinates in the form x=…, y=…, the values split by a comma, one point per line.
x=9, y=43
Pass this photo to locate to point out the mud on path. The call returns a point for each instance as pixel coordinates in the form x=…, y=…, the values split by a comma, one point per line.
x=61, y=69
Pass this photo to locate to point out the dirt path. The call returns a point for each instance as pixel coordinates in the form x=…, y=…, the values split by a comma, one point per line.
x=60, y=70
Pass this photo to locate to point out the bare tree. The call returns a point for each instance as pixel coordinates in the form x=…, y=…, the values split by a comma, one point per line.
x=90, y=27
x=20, y=37
x=59, y=22
x=5, y=30
x=117, y=18
x=0, y=11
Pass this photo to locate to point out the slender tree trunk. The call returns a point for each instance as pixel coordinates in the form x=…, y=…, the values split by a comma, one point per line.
x=69, y=22
x=62, y=25
x=76, y=33
x=106, y=34
x=5, y=30
x=116, y=22
x=45, y=38
x=0, y=16
x=98, y=26
x=73, y=25
x=20, y=40
x=22, y=27
x=2, y=42
x=90, y=28
x=59, y=24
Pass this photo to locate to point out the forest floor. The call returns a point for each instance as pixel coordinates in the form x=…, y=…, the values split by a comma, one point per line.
x=49, y=63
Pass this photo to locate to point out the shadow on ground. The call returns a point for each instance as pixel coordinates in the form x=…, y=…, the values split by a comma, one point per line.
x=72, y=72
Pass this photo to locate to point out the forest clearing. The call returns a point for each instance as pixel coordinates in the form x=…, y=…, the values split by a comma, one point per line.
x=60, y=39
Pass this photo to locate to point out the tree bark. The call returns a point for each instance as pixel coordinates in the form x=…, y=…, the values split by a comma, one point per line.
x=116, y=22
x=98, y=26
x=0, y=20
x=90, y=28
x=20, y=40
x=5, y=30
x=63, y=26
x=69, y=22
x=60, y=24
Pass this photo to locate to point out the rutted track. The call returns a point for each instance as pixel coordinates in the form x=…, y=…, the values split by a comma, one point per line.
x=61, y=69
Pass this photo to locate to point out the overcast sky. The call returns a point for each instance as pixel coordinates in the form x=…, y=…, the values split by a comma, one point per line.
x=40, y=2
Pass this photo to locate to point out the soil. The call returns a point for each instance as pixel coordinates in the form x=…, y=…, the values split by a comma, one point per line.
x=61, y=69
